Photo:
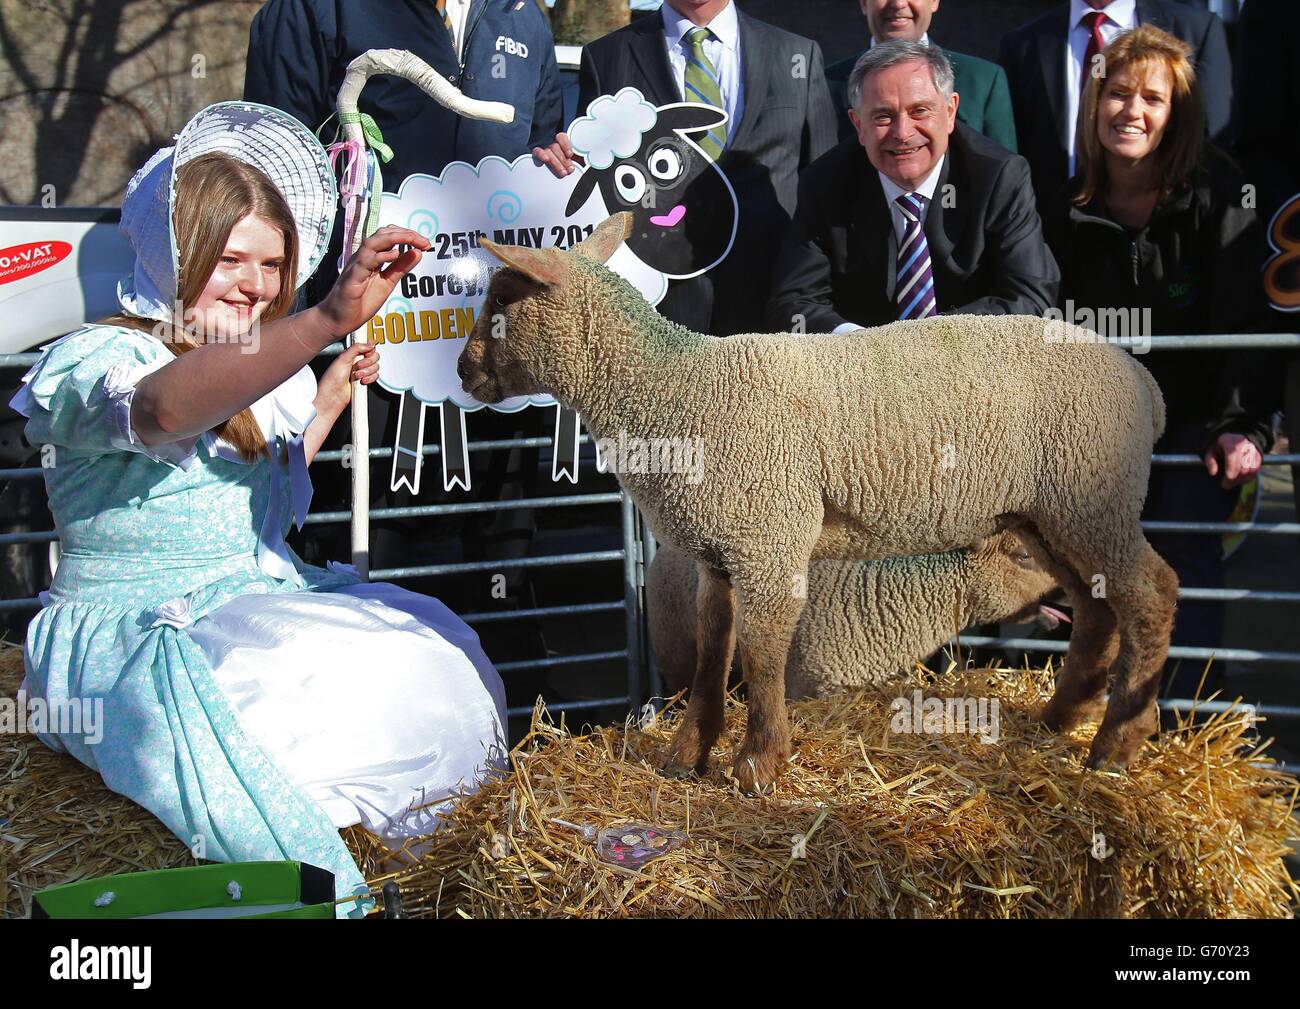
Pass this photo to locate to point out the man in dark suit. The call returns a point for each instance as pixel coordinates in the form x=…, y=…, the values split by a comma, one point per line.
x=1268, y=106
x=1046, y=61
x=985, y=98
x=917, y=215
x=773, y=85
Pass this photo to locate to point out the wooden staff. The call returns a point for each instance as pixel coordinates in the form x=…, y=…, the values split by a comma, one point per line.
x=360, y=132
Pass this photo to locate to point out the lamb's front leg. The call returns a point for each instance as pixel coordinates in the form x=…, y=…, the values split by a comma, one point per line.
x=769, y=615
x=715, y=643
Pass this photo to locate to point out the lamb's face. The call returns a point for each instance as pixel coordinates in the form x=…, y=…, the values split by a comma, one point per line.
x=534, y=332
x=1006, y=582
x=498, y=359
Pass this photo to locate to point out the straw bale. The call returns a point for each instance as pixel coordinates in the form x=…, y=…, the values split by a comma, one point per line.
x=865, y=822
x=869, y=822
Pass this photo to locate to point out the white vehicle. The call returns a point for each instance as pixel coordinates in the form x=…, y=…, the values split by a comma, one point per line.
x=59, y=268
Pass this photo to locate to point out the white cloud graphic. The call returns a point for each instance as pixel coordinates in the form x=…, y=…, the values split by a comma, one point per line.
x=612, y=128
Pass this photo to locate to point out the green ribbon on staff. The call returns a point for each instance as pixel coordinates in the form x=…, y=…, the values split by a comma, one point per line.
x=371, y=132
x=375, y=141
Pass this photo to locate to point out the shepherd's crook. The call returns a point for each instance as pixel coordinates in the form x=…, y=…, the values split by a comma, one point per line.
x=362, y=219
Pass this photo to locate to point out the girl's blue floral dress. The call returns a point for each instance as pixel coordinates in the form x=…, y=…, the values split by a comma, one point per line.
x=251, y=702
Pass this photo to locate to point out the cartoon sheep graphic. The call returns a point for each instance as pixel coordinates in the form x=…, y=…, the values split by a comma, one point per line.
x=644, y=161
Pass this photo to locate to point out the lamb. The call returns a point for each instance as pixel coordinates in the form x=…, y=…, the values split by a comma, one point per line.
x=912, y=438
x=865, y=623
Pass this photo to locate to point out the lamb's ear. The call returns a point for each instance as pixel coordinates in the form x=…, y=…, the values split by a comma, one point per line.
x=545, y=266
x=605, y=240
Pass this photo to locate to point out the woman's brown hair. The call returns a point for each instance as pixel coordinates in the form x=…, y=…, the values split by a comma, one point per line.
x=214, y=192
x=1145, y=48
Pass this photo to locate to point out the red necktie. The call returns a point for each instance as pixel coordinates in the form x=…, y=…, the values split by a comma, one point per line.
x=1093, y=22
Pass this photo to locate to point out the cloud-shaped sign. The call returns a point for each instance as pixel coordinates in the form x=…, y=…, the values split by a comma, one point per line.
x=423, y=327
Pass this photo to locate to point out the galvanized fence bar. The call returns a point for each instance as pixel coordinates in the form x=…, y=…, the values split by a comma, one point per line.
x=552, y=661
x=1175, y=651
x=469, y=507
x=470, y=567
x=633, y=616
x=572, y=610
x=649, y=547
x=600, y=702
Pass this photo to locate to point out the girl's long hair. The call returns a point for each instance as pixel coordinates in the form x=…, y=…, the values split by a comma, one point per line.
x=214, y=192
x=1144, y=48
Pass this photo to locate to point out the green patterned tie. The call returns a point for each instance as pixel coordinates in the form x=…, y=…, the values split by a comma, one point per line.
x=702, y=87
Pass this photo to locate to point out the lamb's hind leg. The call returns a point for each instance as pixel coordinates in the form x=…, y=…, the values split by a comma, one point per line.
x=1081, y=683
x=715, y=643
x=1144, y=599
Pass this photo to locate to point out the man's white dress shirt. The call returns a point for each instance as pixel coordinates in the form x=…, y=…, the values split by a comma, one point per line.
x=892, y=192
x=458, y=11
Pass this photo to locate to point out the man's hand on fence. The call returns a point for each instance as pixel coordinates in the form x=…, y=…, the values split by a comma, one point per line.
x=1236, y=456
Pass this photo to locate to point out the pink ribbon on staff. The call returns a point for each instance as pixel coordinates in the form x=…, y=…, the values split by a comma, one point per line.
x=354, y=186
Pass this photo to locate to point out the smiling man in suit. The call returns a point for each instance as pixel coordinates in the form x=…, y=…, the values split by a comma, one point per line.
x=1046, y=61
x=916, y=215
x=772, y=85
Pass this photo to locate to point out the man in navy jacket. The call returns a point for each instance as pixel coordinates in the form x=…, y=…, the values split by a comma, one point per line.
x=298, y=51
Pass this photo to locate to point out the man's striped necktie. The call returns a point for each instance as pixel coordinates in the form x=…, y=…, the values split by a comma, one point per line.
x=915, y=285
x=441, y=7
x=702, y=87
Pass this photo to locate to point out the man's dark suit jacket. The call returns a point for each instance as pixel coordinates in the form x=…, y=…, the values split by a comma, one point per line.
x=787, y=123
x=987, y=251
x=1033, y=56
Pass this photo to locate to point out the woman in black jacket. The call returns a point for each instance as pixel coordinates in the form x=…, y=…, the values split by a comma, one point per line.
x=1158, y=231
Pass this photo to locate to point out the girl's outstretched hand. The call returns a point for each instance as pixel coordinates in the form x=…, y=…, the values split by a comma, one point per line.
x=370, y=276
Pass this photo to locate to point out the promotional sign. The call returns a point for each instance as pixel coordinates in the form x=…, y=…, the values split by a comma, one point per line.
x=639, y=158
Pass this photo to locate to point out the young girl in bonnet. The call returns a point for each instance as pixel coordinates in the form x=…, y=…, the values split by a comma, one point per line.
x=255, y=704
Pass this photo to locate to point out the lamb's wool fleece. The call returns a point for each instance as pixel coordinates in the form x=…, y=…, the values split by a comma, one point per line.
x=912, y=438
x=865, y=622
